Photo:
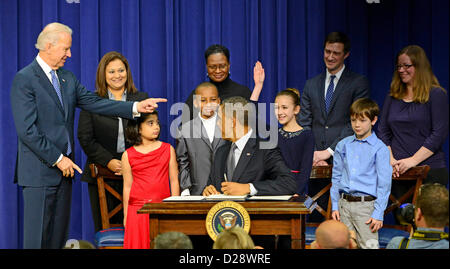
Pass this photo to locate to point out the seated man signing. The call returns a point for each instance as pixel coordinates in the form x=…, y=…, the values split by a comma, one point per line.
x=240, y=166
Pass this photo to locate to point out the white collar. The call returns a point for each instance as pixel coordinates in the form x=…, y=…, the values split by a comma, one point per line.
x=47, y=69
x=212, y=119
x=241, y=142
x=338, y=74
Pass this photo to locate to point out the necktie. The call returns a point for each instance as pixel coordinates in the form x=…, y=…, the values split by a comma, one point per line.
x=329, y=94
x=55, y=83
x=231, y=162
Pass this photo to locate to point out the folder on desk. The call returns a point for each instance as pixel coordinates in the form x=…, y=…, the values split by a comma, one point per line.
x=224, y=197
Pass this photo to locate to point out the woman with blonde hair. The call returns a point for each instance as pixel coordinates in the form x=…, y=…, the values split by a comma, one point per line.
x=414, y=118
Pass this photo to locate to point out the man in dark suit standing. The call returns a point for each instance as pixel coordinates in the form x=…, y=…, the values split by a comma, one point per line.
x=43, y=100
x=240, y=166
x=327, y=97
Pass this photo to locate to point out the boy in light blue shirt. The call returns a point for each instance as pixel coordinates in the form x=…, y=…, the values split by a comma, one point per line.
x=361, y=178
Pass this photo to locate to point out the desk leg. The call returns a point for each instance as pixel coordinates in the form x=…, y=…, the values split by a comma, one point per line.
x=298, y=232
x=153, y=228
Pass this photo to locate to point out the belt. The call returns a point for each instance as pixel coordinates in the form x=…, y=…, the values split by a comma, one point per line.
x=351, y=198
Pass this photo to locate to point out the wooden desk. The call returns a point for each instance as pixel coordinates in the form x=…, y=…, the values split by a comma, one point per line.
x=266, y=218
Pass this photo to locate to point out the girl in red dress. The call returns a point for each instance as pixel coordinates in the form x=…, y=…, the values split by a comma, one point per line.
x=150, y=174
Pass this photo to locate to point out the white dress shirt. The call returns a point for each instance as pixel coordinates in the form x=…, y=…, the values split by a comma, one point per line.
x=210, y=125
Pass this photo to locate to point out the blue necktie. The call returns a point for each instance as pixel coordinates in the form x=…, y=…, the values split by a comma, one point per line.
x=329, y=94
x=55, y=83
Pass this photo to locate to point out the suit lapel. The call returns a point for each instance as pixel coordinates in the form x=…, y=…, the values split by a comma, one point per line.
x=245, y=157
x=200, y=131
x=339, y=88
x=64, y=93
x=321, y=93
x=220, y=160
x=217, y=137
x=47, y=85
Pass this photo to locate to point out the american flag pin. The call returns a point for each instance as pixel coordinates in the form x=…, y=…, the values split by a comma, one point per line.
x=248, y=154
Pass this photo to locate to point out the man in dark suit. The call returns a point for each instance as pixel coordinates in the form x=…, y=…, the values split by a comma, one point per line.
x=240, y=166
x=327, y=97
x=43, y=100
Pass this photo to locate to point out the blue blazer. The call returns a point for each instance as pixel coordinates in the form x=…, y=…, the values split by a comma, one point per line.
x=329, y=128
x=42, y=124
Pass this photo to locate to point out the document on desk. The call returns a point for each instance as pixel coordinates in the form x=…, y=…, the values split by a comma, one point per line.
x=186, y=198
x=223, y=197
x=269, y=198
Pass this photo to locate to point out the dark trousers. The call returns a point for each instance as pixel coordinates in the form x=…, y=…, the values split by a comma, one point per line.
x=47, y=215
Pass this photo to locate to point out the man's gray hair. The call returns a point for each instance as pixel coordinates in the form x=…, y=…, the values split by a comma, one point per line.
x=51, y=34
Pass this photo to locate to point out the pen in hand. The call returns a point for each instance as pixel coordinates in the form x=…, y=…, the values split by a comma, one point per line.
x=225, y=176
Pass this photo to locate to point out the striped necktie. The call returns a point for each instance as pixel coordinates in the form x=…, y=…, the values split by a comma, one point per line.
x=55, y=83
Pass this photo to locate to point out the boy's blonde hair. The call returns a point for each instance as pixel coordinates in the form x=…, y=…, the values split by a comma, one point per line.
x=364, y=107
x=234, y=238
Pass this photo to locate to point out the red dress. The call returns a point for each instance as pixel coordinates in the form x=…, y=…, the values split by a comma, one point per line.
x=150, y=184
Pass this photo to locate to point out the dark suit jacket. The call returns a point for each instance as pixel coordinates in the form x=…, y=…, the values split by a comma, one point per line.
x=195, y=155
x=264, y=168
x=329, y=128
x=42, y=124
x=98, y=136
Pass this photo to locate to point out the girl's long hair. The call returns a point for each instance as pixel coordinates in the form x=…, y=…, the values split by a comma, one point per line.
x=132, y=134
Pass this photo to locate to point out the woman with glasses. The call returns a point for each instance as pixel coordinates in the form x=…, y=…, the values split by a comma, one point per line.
x=414, y=119
x=217, y=59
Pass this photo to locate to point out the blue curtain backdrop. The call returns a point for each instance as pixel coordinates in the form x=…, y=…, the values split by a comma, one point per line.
x=164, y=41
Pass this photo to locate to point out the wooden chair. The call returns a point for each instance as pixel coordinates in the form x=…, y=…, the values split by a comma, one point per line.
x=112, y=234
x=323, y=173
x=319, y=173
x=415, y=174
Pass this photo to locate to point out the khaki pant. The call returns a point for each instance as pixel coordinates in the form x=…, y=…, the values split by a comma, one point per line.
x=355, y=215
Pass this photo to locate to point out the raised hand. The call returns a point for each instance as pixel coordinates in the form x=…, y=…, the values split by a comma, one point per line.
x=259, y=77
x=149, y=105
x=258, y=73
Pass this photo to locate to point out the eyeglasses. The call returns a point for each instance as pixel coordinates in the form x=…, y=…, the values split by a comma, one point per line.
x=405, y=66
x=220, y=67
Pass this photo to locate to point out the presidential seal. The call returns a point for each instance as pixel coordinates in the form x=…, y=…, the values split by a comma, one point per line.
x=225, y=215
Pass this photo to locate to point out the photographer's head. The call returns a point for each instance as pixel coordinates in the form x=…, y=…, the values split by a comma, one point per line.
x=332, y=234
x=431, y=208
